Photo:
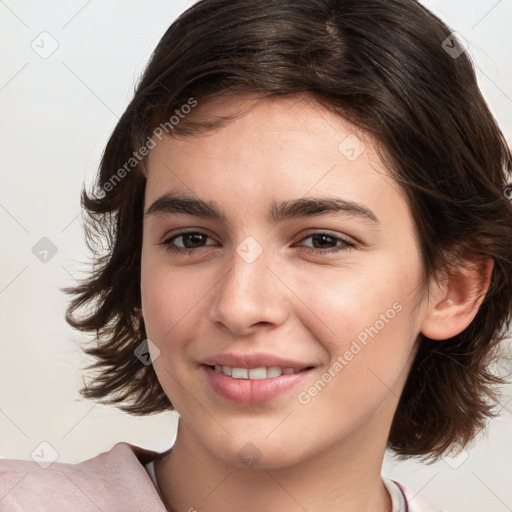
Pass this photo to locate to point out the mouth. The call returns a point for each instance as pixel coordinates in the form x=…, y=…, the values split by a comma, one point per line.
x=253, y=385
x=259, y=373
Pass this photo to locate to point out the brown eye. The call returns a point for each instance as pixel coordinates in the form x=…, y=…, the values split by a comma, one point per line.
x=191, y=241
x=327, y=243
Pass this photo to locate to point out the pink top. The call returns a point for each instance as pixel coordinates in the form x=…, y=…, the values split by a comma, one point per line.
x=119, y=480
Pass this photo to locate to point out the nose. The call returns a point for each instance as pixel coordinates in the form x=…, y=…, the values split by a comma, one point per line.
x=251, y=295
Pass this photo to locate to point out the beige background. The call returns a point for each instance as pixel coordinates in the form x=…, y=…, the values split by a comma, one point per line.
x=57, y=113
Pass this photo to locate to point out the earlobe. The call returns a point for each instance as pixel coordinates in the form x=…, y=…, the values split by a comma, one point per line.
x=455, y=304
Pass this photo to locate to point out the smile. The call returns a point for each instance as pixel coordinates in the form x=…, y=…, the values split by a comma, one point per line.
x=254, y=373
x=252, y=386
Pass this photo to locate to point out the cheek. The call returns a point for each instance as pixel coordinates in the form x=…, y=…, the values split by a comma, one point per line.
x=168, y=301
x=367, y=323
x=351, y=303
x=169, y=296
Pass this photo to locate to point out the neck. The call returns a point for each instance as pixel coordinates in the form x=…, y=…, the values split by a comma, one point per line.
x=344, y=477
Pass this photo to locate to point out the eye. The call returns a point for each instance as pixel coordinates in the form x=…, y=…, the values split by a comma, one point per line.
x=323, y=240
x=191, y=240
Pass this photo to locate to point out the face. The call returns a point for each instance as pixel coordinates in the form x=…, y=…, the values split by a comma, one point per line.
x=302, y=280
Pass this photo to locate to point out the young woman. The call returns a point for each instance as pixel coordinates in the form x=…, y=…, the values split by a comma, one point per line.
x=309, y=229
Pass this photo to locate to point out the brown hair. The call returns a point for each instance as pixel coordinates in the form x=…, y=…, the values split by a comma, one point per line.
x=383, y=65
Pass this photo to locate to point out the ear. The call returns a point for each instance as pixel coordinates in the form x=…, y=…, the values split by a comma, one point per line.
x=140, y=313
x=455, y=303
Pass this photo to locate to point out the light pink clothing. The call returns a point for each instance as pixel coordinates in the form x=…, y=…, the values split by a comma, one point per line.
x=119, y=480
x=113, y=481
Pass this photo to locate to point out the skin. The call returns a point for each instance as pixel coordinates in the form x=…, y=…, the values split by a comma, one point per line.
x=325, y=455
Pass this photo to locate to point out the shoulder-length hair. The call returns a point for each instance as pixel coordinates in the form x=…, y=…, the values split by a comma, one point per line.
x=389, y=67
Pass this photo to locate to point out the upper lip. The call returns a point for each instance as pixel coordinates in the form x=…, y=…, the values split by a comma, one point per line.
x=255, y=360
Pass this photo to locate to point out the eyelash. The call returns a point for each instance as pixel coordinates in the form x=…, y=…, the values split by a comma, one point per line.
x=346, y=245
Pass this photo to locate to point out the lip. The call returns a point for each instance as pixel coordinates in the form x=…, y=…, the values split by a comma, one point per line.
x=251, y=392
x=255, y=360
x=247, y=391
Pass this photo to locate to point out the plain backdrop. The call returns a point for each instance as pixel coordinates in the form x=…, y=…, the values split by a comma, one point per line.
x=67, y=72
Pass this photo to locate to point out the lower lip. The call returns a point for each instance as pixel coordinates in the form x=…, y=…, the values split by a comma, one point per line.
x=251, y=392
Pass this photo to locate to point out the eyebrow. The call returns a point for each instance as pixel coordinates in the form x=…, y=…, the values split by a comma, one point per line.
x=176, y=203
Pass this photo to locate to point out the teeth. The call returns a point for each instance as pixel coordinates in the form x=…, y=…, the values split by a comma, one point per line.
x=254, y=373
x=239, y=373
x=274, y=371
x=257, y=373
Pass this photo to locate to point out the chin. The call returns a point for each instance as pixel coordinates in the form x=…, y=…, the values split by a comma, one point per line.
x=257, y=454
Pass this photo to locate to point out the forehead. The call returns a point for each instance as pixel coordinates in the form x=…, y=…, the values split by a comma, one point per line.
x=273, y=149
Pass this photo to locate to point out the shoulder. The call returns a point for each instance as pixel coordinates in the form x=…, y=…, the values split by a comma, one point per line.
x=114, y=480
x=415, y=502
